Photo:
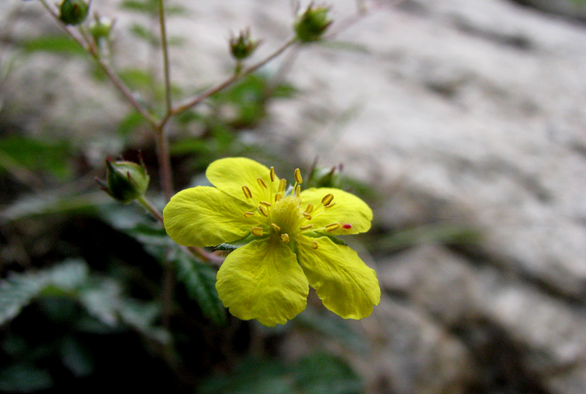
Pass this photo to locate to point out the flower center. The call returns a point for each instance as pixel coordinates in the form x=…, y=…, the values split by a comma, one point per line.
x=279, y=212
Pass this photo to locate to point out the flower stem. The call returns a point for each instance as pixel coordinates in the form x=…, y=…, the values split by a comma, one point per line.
x=165, y=50
x=224, y=84
x=149, y=206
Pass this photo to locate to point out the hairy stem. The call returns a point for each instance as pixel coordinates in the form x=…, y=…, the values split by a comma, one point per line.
x=165, y=50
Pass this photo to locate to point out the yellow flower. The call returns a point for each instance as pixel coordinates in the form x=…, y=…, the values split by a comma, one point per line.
x=293, y=245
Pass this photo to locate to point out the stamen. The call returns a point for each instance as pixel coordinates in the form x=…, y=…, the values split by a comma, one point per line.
x=333, y=226
x=306, y=215
x=278, y=197
x=277, y=228
x=330, y=205
x=263, y=210
x=297, y=191
x=282, y=186
x=248, y=214
x=261, y=183
x=309, y=208
x=285, y=238
x=247, y=191
x=298, y=177
x=314, y=244
x=306, y=227
x=257, y=231
x=327, y=199
x=272, y=174
x=266, y=204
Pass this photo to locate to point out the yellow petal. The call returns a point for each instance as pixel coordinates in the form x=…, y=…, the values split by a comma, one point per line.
x=353, y=215
x=205, y=216
x=346, y=285
x=262, y=280
x=230, y=174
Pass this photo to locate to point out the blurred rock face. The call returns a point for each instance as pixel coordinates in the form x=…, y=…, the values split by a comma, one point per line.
x=471, y=113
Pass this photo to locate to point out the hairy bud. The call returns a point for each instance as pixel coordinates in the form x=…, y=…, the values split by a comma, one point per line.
x=125, y=180
x=242, y=46
x=73, y=12
x=311, y=25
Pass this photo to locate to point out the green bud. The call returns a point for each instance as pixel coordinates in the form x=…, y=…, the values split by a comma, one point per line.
x=125, y=180
x=73, y=12
x=325, y=177
x=100, y=28
x=311, y=25
x=242, y=46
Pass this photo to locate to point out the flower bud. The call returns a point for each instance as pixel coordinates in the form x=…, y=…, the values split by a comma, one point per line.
x=311, y=25
x=125, y=180
x=100, y=28
x=73, y=12
x=242, y=46
x=325, y=177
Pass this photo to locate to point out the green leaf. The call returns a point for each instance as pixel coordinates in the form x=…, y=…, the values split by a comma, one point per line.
x=200, y=281
x=253, y=376
x=323, y=373
x=332, y=326
x=55, y=44
x=20, y=289
x=36, y=155
x=34, y=206
x=24, y=378
x=76, y=356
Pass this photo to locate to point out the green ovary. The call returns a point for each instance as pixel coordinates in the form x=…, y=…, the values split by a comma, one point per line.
x=287, y=214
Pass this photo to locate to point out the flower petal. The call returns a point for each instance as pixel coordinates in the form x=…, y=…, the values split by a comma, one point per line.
x=346, y=285
x=230, y=174
x=353, y=215
x=205, y=216
x=263, y=281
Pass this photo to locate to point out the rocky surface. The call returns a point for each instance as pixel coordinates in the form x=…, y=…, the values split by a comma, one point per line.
x=470, y=113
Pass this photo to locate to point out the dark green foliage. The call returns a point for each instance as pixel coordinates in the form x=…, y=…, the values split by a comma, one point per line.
x=319, y=373
x=200, y=281
x=49, y=157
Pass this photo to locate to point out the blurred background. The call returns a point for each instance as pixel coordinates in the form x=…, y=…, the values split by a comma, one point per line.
x=462, y=123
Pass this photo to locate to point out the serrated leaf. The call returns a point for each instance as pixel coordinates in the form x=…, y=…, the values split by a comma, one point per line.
x=142, y=316
x=20, y=289
x=322, y=373
x=200, y=281
x=332, y=326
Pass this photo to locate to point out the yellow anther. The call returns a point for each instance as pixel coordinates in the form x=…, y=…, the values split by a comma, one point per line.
x=263, y=210
x=248, y=214
x=327, y=199
x=333, y=226
x=285, y=238
x=330, y=205
x=266, y=204
x=278, y=197
x=282, y=186
x=309, y=208
x=247, y=191
x=298, y=177
x=306, y=227
x=314, y=244
x=257, y=231
x=261, y=183
x=272, y=174
x=277, y=228
x=306, y=215
x=297, y=191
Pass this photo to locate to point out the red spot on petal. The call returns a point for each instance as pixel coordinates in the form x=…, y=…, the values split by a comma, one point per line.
x=347, y=226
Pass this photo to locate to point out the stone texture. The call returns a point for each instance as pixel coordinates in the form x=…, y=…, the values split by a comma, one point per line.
x=456, y=111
